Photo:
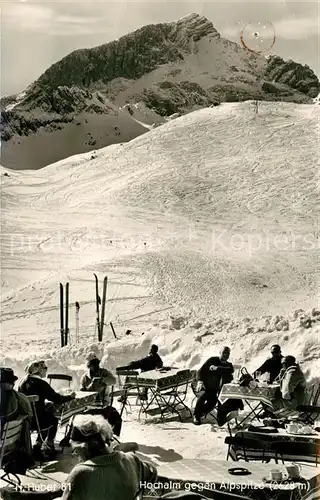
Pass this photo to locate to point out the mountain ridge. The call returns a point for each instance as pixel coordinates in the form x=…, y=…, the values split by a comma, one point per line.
x=165, y=69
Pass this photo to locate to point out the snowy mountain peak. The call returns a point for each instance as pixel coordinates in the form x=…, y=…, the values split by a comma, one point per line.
x=195, y=26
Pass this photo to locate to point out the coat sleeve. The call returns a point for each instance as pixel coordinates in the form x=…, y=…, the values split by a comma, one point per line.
x=205, y=368
x=159, y=362
x=148, y=473
x=108, y=377
x=288, y=385
x=264, y=368
x=75, y=486
x=25, y=405
x=51, y=395
x=85, y=382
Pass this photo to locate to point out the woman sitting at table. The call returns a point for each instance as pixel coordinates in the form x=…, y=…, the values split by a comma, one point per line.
x=292, y=386
x=97, y=379
x=103, y=473
x=34, y=385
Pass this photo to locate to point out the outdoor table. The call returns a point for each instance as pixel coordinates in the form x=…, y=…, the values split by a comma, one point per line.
x=168, y=390
x=76, y=406
x=262, y=394
x=282, y=436
x=209, y=476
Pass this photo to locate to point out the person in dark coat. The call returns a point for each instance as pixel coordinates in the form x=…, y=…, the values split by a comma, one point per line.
x=213, y=374
x=150, y=362
x=15, y=406
x=272, y=365
x=34, y=385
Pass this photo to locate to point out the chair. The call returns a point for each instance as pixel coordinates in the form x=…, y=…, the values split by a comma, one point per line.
x=243, y=445
x=33, y=400
x=311, y=411
x=59, y=376
x=9, y=443
x=130, y=388
x=297, y=450
x=193, y=384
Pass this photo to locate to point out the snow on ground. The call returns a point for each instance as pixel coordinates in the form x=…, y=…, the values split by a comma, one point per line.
x=211, y=217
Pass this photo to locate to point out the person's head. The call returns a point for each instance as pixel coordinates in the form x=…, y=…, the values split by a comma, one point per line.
x=91, y=436
x=153, y=350
x=7, y=379
x=288, y=361
x=225, y=353
x=276, y=351
x=93, y=365
x=38, y=368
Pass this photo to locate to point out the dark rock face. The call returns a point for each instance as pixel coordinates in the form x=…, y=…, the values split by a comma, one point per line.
x=89, y=80
x=14, y=122
x=131, y=57
x=295, y=75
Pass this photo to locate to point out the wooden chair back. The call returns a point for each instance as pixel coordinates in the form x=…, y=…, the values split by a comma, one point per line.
x=59, y=376
x=9, y=439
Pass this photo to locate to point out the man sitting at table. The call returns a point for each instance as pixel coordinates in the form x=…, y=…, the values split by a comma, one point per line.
x=97, y=379
x=215, y=372
x=34, y=385
x=292, y=386
x=150, y=362
x=272, y=365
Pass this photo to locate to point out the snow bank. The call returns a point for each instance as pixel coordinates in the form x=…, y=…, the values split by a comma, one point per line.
x=250, y=340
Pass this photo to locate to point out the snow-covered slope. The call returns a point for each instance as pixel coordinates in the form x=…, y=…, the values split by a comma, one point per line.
x=210, y=216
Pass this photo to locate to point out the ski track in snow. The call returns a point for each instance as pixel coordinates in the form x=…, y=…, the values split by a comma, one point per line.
x=176, y=188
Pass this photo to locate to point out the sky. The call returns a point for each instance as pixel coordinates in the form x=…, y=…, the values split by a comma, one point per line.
x=34, y=35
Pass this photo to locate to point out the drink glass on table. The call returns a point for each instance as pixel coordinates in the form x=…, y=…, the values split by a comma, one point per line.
x=276, y=475
x=293, y=471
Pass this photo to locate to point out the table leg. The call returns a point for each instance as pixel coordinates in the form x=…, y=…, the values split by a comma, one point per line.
x=252, y=412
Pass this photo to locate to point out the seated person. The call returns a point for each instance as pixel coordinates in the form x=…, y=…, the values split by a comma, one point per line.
x=97, y=379
x=103, y=473
x=271, y=366
x=15, y=406
x=150, y=362
x=34, y=385
x=215, y=372
x=292, y=386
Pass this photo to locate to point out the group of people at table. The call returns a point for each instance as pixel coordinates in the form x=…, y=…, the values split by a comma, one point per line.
x=105, y=471
x=218, y=371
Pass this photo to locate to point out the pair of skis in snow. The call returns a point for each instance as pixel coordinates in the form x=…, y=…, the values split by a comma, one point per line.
x=100, y=314
x=64, y=318
x=64, y=312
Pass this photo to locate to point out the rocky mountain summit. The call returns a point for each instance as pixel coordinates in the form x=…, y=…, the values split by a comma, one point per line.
x=155, y=72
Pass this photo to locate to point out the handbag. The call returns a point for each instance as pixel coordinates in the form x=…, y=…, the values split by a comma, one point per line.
x=245, y=378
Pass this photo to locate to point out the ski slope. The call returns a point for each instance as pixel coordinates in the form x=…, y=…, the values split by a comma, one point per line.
x=211, y=216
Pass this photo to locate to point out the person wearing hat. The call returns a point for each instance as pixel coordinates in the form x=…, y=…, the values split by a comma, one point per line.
x=34, y=385
x=271, y=366
x=15, y=406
